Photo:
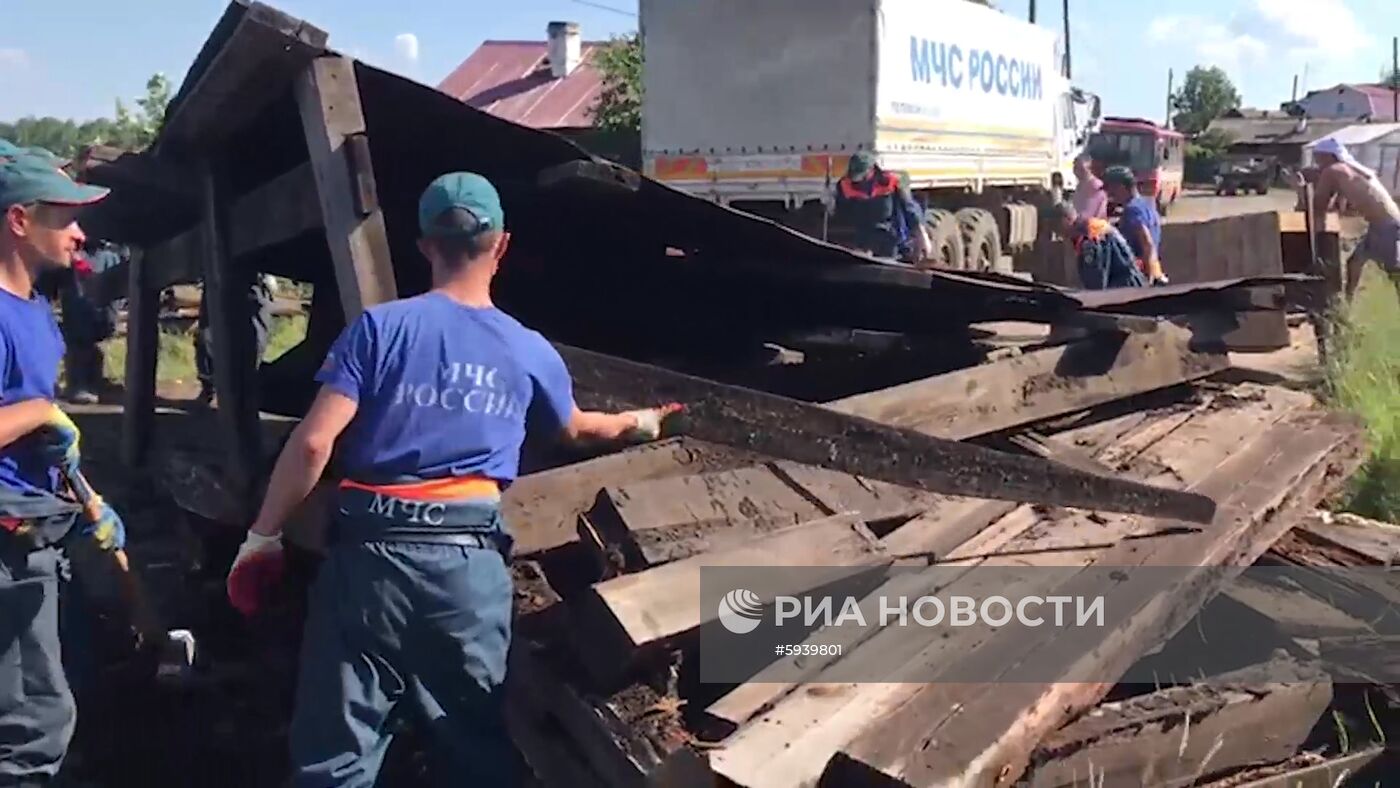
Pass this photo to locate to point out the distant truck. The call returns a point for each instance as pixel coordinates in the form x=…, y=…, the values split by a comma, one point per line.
x=760, y=103
x=1246, y=174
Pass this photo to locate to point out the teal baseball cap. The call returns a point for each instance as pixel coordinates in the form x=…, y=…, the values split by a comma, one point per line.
x=46, y=155
x=1119, y=175
x=465, y=191
x=861, y=164
x=27, y=178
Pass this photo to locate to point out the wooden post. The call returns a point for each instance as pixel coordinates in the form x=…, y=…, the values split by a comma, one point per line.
x=142, y=338
x=231, y=332
x=334, y=122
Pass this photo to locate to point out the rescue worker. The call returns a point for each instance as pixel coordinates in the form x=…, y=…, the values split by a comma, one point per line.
x=881, y=209
x=1139, y=223
x=261, y=294
x=424, y=402
x=1089, y=199
x=1102, y=255
x=1341, y=177
x=85, y=323
x=39, y=445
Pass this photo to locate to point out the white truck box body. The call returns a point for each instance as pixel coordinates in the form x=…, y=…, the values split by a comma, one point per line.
x=767, y=99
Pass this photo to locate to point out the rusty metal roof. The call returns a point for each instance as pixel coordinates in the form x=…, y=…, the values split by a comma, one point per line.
x=512, y=80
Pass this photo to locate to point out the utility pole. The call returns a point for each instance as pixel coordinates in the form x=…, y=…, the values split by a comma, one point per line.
x=1171, y=77
x=1295, y=90
x=1032, y=15
x=1394, y=71
x=1068, y=70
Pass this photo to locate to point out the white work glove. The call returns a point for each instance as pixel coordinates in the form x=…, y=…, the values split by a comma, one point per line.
x=257, y=568
x=650, y=420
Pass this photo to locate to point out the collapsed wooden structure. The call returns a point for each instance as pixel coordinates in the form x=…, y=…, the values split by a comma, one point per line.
x=282, y=156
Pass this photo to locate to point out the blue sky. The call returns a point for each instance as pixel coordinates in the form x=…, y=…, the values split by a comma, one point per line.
x=1122, y=50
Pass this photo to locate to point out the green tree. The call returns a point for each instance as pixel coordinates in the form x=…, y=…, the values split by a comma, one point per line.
x=127, y=129
x=1206, y=94
x=1204, y=152
x=619, y=105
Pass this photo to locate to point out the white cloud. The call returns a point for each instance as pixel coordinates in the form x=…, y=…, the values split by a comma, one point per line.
x=13, y=59
x=406, y=47
x=1267, y=32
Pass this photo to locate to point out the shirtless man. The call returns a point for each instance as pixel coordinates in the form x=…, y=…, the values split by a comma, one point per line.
x=1342, y=177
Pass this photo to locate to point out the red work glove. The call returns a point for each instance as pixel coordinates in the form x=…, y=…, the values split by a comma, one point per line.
x=257, y=568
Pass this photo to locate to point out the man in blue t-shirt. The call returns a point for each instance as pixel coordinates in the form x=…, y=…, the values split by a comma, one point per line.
x=39, y=231
x=1140, y=223
x=426, y=402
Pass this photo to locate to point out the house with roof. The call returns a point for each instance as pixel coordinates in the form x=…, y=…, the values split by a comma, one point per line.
x=551, y=85
x=1274, y=134
x=1367, y=102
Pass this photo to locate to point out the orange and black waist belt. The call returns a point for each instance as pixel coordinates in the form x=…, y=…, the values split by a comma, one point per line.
x=421, y=511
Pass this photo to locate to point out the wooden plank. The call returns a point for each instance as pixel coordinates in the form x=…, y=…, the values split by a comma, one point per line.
x=565, y=739
x=1373, y=543
x=653, y=522
x=793, y=430
x=1329, y=773
x=543, y=508
x=142, y=340
x=239, y=74
x=1037, y=385
x=984, y=733
x=234, y=353
x=1226, y=248
x=1187, y=448
x=628, y=614
x=1374, y=657
x=329, y=98
x=276, y=211
x=1292, y=610
x=1176, y=736
x=1170, y=443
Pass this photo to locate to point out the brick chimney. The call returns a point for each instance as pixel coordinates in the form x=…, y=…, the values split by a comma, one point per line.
x=565, y=48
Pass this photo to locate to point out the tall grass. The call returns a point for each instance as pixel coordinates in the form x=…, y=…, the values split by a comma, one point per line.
x=175, y=357
x=1364, y=378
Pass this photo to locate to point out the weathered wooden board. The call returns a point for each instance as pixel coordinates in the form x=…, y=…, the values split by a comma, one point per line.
x=1310, y=771
x=627, y=614
x=1038, y=385
x=1181, y=446
x=653, y=522
x=264, y=48
x=329, y=99
x=1178, y=735
x=543, y=508
x=1374, y=657
x=984, y=733
x=142, y=344
x=1292, y=610
x=823, y=722
x=1227, y=248
x=792, y=430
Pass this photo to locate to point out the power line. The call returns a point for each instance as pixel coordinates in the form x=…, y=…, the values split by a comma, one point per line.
x=604, y=7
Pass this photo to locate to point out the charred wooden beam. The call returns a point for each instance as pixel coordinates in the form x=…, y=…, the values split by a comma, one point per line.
x=815, y=435
x=254, y=50
x=1038, y=385
x=328, y=95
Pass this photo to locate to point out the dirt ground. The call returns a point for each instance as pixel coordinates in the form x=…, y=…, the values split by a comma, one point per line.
x=1198, y=204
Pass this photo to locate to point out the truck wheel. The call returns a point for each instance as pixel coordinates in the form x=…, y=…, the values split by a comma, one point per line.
x=1263, y=189
x=981, y=239
x=947, y=240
